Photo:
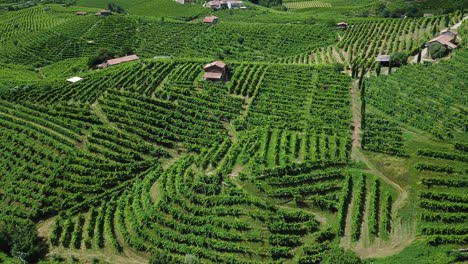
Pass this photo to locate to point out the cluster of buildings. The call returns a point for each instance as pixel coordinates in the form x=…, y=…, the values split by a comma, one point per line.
x=225, y=4
x=218, y=4
x=103, y=12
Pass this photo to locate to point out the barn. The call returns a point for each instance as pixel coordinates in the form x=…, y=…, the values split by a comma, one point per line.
x=215, y=71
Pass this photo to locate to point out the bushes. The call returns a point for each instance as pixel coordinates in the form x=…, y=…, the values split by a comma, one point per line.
x=22, y=237
x=437, y=51
x=399, y=58
x=100, y=57
x=338, y=255
x=358, y=207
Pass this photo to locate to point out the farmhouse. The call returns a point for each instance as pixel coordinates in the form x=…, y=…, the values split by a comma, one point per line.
x=220, y=4
x=342, y=25
x=384, y=60
x=210, y=20
x=116, y=61
x=81, y=13
x=104, y=12
x=447, y=38
x=235, y=5
x=215, y=71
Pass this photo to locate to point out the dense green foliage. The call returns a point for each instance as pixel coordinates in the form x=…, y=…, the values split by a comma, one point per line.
x=412, y=88
x=148, y=161
x=20, y=239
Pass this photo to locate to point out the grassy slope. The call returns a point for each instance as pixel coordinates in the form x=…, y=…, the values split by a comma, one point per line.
x=155, y=8
x=403, y=171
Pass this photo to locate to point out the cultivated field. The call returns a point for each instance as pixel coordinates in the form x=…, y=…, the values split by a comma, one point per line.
x=309, y=151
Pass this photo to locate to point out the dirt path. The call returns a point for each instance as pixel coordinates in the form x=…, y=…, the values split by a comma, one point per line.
x=457, y=25
x=401, y=236
x=318, y=217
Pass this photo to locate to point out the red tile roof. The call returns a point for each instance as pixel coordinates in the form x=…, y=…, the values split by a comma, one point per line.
x=210, y=19
x=122, y=59
x=444, y=40
x=219, y=64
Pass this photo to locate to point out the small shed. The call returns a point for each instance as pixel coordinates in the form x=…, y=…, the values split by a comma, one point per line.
x=210, y=20
x=79, y=13
x=384, y=60
x=342, y=25
x=235, y=5
x=116, y=61
x=215, y=71
x=74, y=79
x=104, y=12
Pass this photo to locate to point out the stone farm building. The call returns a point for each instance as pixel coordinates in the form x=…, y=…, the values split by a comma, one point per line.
x=447, y=38
x=384, y=60
x=104, y=12
x=210, y=20
x=215, y=71
x=81, y=13
x=220, y=4
x=116, y=61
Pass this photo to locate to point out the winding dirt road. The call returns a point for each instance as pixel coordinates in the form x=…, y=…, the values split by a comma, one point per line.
x=399, y=238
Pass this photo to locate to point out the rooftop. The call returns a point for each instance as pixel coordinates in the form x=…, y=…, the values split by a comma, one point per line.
x=122, y=59
x=219, y=64
x=210, y=19
x=383, y=58
x=445, y=40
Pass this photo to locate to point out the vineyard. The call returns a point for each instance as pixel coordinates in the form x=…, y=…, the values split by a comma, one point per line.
x=445, y=119
x=366, y=40
x=305, y=4
x=300, y=155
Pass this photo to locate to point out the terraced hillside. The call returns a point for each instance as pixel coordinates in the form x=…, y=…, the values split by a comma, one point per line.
x=366, y=40
x=56, y=34
x=289, y=160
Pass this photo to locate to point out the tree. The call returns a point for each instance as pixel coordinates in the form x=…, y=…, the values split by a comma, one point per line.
x=338, y=255
x=399, y=58
x=100, y=57
x=126, y=51
x=114, y=7
x=437, y=51
x=22, y=238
